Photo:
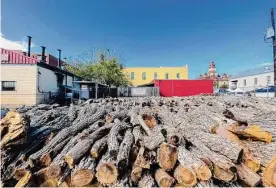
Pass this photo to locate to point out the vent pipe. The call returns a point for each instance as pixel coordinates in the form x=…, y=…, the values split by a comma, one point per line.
x=59, y=57
x=29, y=45
x=43, y=59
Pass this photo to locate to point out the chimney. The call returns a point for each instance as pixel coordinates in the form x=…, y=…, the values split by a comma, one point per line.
x=43, y=58
x=29, y=45
x=59, y=57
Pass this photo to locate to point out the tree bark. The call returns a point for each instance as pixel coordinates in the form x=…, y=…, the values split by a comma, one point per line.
x=136, y=173
x=163, y=179
x=248, y=176
x=124, y=150
x=154, y=140
x=113, y=142
x=98, y=148
x=110, y=117
x=144, y=125
x=138, y=136
x=167, y=156
x=147, y=181
x=192, y=163
x=140, y=160
x=74, y=155
x=63, y=134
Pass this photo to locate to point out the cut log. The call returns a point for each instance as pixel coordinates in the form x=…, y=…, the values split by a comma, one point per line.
x=154, y=140
x=50, y=183
x=140, y=160
x=16, y=127
x=174, y=140
x=269, y=176
x=144, y=125
x=83, y=173
x=107, y=172
x=167, y=156
x=228, y=114
x=147, y=181
x=99, y=147
x=193, y=164
x=218, y=144
x=248, y=176
x=110, y=117
x=136, y=173
x=24, y=180
x=253, y=131
x=185, y=177
x=163, y=179
x=249, y=160
x=149, y=120
x=124, y=150
x=138, y=136
x=75, y=154
x=223, y=168
x=63, y=134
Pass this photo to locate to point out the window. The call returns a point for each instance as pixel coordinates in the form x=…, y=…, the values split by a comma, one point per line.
x=8, y=85
x=167, y=76
x=132, y=75
x=255, y=81
x=144, y=76
x=244, y=82
x=268, y=79
x=155, y=75
x=178, y=75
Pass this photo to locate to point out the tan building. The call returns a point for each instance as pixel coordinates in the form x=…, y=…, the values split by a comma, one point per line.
x=219, y=80
x=26, y=81
x=144, y=75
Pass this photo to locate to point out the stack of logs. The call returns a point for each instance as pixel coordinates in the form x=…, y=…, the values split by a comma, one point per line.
x=143, y=142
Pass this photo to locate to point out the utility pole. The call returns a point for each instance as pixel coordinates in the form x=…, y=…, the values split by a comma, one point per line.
x=273, y=44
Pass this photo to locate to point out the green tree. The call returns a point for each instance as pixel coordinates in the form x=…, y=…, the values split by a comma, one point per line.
x=224, y=86
x=106, y=71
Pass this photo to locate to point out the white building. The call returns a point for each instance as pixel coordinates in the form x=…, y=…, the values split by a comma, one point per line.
x=252, y=79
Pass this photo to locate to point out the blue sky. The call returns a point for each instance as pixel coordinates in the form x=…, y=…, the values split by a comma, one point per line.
x=148, y=33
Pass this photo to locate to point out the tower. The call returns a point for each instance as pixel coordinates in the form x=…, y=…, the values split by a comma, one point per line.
x=212, y=70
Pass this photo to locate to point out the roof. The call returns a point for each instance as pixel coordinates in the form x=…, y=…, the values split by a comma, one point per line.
x=53, y=68
x=15, y=57
x=255, y=71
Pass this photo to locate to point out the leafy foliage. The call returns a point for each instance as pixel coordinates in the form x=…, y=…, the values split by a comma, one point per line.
x=105, y=71
x=224, y=86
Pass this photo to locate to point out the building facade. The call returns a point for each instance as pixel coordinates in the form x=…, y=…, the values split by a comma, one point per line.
x=26, y=81
x=219, y=80
x=144, y=75
x=252, y=79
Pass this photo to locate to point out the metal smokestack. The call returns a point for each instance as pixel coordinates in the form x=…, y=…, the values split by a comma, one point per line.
x=59, y=57
x=43, y=54
x=29, y=45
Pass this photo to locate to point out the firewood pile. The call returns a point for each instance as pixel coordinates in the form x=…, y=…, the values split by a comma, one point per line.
x=197, y=141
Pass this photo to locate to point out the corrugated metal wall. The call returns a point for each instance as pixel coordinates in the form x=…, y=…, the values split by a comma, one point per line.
x=12, y=57
x=169, y=88
x=137, y=91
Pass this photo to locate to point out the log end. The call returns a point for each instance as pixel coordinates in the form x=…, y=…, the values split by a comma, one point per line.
x=82, y=177
x=174, y=140
x=149, y=120
x=185, y=176
x=269, y=176
x=225, y=175
x=20, y=173
x=107, y=174
x=167, y=156
x=24, y=180
x=46, y=159
x=69, y=160
x=163, y=178
x=50, y=183
x=136, y=174
x=94, y=154
x=53, y=171
x=252, y=163
x=203, y=173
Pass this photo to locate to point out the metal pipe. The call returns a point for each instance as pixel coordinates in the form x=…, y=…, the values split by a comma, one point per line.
x=29, y=45
x=43, y=59
x=59, y=57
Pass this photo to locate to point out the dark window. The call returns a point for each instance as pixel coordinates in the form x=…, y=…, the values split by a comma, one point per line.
x=132, y=75
x=244, y=82
x=155, y=75
x=178, y=75
x=144, y=77
x=167, y=76
x=255, y=81
x=8, y=85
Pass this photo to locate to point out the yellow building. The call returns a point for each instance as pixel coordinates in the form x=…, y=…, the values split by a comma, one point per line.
x=144, y=75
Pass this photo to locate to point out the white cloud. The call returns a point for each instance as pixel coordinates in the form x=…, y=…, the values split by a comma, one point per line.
x=263, y=64
x=13, y=45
